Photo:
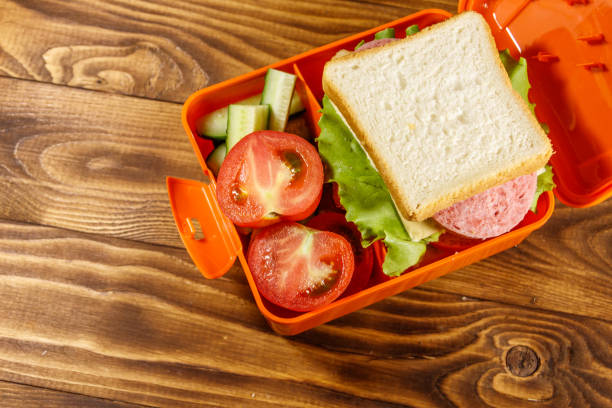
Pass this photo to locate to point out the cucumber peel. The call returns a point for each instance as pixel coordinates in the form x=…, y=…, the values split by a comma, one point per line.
x=296, y=104
x=245, y=119
x=215, y=159
x=277, y=92
x=214, y=124
x=386, y=33
x=413, y=29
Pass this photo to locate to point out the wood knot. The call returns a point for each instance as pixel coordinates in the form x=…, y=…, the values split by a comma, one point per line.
x=141, y=68
x=522, y=361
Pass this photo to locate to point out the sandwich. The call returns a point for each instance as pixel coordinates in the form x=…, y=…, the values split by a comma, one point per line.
x=424, y=133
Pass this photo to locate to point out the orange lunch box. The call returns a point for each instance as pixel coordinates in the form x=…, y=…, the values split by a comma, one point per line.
x=215, y=248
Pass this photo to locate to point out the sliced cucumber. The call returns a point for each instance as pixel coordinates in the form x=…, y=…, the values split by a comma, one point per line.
x=215, y=159
x=296, y=104
x=413, y=29
x=386, y=33
x=251, y=100
x=277, y=92
x=214, y=124
x=245, y=119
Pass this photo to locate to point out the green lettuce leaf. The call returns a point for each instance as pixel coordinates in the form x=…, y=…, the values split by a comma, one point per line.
x=434, y=237
x=517, y=71
x=545, y=183
x=363, y=193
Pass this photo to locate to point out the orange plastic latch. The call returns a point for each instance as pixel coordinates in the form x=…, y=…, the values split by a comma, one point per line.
x=209, y=236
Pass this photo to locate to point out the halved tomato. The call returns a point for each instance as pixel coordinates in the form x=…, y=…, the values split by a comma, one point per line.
x=364, y=257
x=270, y=176
x=299, y=268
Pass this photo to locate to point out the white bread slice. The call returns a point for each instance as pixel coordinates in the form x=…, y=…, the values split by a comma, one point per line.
x=437, y=115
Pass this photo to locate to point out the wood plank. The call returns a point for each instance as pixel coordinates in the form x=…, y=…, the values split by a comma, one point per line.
x=118, y=319
x=166, y=49
x=90, y=161
x=25, y=396
x=134, y=322
x=62, y=165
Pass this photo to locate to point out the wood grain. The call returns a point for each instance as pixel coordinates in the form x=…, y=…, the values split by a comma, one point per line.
x=564, y=266
x=101, y=305
x=135, y=322
x=166, y=49
x=96, y=163
x=24, y=396
x=90, y=161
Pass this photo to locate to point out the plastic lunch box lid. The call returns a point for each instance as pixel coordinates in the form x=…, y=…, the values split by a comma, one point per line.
x=567, y=46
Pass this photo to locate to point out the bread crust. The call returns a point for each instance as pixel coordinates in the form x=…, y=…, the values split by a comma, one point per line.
x=426, y=210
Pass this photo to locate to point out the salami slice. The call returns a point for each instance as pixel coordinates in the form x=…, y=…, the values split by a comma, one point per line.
x=376, y=43
x=492, y=212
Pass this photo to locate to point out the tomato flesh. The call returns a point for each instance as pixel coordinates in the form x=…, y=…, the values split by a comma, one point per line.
x=270, y=176
x=364, y=257
x=299, y=268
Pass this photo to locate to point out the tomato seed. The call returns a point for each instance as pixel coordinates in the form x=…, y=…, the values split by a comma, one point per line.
x=294, y=162
x=239, y=193
x=324, y=285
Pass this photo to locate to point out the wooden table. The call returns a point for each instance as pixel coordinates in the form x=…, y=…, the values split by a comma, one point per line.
x=100, y=305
